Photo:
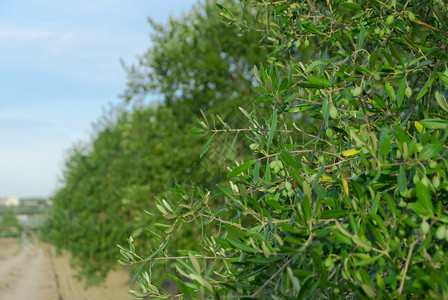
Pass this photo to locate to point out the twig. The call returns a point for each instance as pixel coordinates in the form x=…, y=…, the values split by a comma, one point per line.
x=179, y=257
x=254, y=295
x=222, y=221
x=415, y=21
x=405, y=270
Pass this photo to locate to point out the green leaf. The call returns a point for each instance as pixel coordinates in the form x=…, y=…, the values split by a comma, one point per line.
x=368, y=261
x=373, y=58
x=352, y=6
x=257, y=75
x=425, y=88
x=334, y=213
x=206, y=146
x=231, y=147
x=241, y=246
x=402, y=180
x=424, y=198
x=431, y=150
x=272, y=129
x=226, y=12
x=197, y=132
x=361, y=36
x=300, y=108
x=401, y=89
x=443, y=78
x=441, y=101
x=241, y=168
x=434, y=123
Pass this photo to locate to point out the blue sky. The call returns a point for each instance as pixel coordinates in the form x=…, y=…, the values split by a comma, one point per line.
x=59, y=68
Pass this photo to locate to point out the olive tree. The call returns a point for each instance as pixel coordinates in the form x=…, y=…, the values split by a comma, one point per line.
x=353, y=206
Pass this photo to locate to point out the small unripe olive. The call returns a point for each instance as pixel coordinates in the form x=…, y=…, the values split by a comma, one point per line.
x=433, y=164
x=298, y=43
x=387, y=31
x=357, y=91
x=381, y=33
x=276, y=169
x=306, y=43
x=390, y=20
x=436, y=181
x=411, y=16
x=333, y=112
x=377, y=30
x=288, y=185
x=441, y=231
x=424, y=227
x=253, y=146
x=408, y=92
x=329, y=132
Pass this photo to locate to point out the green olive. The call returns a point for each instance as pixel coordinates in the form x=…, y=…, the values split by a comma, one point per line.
x=408, y=92
x=357, y=91
x=424, y=227
x=333, y=112
x=441, y=231
x=411, y=16
x=390, y=20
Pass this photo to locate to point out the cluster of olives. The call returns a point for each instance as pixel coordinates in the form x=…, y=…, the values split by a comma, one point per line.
x=277, y=166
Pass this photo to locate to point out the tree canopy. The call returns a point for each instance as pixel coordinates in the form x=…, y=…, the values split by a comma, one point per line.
x=139, y=151
x=350, y=206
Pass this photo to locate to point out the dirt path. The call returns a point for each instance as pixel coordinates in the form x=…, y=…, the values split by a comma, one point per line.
x=33, y=271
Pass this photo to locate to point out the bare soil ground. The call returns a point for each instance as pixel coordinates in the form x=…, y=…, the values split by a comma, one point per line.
x=32, y=270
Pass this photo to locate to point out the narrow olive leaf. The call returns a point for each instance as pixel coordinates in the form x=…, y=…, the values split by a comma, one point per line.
x=289, y=160
x=434, y=123
x=241, y=168
x=361, y=36
x=368, y=261
x=424, y=197
x=418, y=126
x=257, y=75
x=272, y=130
x=373, y=58
x=350, y=152
x=195, y=263
x=425, y=88
x=241, y=246
x=351, y=5
x=334, y=213
x=344, y=182
x=441, y=101
x=206, y=146
x=197, y=131
x=443, y=78
x=245, y=113
x=231, y=147
x=226, y=12
x=401, y=89
x=402, y=181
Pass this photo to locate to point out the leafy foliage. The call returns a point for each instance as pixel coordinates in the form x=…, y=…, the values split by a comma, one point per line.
x=353, y=205
x=138, y=153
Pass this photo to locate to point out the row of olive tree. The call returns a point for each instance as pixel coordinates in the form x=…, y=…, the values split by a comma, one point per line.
x=353, y=206
x=140, y=152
